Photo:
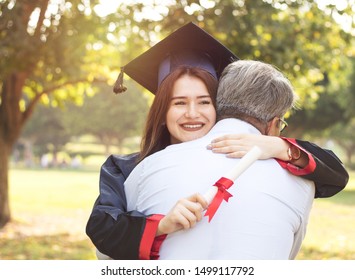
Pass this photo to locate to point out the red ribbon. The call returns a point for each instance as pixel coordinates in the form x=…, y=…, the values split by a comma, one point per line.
x=223, y=184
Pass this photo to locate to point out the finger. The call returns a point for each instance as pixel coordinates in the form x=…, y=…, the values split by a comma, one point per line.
x=224, y=143
x=169, y=224
x=186, y=218
x=188, y=207
x=226, y=149
x=196, y=206
x=200, y=203
x=177, y=217
x=238, y=154
x=178, y=221
x=226, y=137
x=236, y=144
x=197, y=211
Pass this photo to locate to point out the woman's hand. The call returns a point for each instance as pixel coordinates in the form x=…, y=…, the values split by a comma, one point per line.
x=184, y=215
x=237, y=145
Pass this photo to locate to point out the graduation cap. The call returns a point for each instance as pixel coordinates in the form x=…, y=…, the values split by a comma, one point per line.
x=188, y=46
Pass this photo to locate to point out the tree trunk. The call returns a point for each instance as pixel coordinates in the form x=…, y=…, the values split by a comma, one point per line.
x=107, y=148
x=11, y=122
x=349, y=153
x=5, y=214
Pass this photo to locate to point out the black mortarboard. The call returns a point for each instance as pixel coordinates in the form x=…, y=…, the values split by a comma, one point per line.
x=189, y=45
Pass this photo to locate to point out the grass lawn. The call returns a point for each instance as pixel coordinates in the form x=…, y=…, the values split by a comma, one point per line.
x=331, y=227
x=50, y=209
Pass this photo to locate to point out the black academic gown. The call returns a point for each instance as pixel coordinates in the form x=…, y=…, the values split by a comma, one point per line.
x=120, y=234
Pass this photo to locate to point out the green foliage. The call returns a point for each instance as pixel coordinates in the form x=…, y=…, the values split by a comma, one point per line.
x=51, y=53
x=111, y=118
x=332, y=108
x=349, y=101
x=45, y=129
x=70, y=48
x=332, y=115
x=77, y=46
x=344, y=134
x=302, y=40
x=108, y=117
x=327, y=111
x=295, y=36
x=74, y=47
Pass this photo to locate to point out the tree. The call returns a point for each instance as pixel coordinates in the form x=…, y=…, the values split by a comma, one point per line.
x=52, y=51
x=110, y=118
x=47, y=53
x=298, y=37
x=46, y=131
x=337, y=109
x=333, y=108
x=32, y=63
x=343, y=135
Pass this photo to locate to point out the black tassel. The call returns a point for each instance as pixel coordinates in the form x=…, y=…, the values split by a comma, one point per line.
x=119, y=87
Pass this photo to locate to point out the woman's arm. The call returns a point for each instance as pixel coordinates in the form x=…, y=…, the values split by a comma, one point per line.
x=314, y=163
x=114, y=231
x=329, y=174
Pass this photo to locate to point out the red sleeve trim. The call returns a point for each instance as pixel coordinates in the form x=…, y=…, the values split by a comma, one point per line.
x=295, y=170
x=154, y=253
x=150, y=245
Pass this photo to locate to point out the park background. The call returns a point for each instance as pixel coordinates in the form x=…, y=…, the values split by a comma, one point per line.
x=59, y=119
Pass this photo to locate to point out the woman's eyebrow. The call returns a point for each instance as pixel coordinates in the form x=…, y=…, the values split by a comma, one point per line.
x=179, y=97
x=183, y=97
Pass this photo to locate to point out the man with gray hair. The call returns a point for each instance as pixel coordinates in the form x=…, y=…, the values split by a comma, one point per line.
x=255, y=92
x=267, y=216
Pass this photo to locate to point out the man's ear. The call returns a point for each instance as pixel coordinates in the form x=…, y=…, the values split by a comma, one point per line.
x=273, y=128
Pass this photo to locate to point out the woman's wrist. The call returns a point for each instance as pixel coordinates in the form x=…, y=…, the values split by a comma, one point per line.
x=159, y=229
x=297, y=157
x=282, y=152
x=293, y=153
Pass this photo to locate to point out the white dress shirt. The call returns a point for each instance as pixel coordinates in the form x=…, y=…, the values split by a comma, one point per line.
x=265, y=219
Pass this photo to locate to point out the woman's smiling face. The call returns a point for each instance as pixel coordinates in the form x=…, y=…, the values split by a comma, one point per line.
x=191, y=113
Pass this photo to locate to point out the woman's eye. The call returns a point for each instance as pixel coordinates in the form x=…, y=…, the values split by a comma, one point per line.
x=205, y=102
x=179, y=103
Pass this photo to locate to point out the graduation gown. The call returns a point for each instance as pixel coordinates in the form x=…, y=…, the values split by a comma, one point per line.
x=131, y=235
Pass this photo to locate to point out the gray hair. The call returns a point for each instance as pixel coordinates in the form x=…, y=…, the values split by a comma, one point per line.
x=253, y=89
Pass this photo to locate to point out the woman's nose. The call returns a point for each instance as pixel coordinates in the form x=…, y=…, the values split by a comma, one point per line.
x=192, y=111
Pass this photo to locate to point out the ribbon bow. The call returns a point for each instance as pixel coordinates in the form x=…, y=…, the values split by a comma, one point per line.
x=223, y=184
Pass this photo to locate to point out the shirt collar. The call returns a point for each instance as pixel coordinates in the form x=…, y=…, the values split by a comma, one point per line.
x=232, y=125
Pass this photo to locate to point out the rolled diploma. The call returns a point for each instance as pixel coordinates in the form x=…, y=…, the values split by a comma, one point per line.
x=236, y=171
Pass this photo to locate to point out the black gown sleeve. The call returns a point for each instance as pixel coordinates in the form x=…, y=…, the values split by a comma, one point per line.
x=114, y=231
x=330, y=175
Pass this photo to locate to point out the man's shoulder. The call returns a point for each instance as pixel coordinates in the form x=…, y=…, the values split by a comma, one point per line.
x=178, y=149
